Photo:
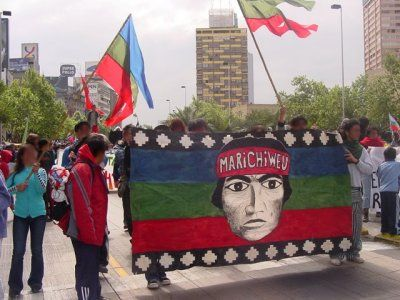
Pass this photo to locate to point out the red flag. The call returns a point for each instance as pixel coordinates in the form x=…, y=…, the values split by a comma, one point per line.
x=88, y=101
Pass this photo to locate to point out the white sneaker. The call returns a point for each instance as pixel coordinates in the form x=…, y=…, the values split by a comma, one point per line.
x=357, y=260
x=336, y=262
x=153, y=285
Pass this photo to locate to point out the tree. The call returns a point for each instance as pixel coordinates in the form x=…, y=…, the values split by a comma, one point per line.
x=32, y=98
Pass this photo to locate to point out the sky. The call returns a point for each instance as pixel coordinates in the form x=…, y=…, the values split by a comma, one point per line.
x=75, y=31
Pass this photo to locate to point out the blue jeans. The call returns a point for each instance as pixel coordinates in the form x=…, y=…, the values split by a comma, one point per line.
x=21, y=226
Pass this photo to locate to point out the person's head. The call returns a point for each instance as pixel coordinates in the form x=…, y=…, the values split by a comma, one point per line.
x=364, y=123
x=44, y=145
x=253, y=184
x=98, y=145
x=33, y=139
x=258, y=130
x=298, y=123
x=6, y=156
x=373, y=132
x=162, y=128
x=177, y=125
x=82, y=130
x=390, y=154
x=198, y=125
x=26, y=157
x=127, y=135
x=352, y=130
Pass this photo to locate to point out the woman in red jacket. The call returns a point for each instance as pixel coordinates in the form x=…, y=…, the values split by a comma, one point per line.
x=87, y=192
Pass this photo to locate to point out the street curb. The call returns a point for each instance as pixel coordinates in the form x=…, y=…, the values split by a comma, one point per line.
x=387, y=241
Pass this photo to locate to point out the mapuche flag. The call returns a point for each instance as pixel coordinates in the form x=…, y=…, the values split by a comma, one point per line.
x=266, y=12
x=394, y=125
x=214, y=199
x=122, y=67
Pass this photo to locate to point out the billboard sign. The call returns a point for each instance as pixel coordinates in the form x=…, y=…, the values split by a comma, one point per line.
x=68, y=70
x=19, y=64
x=90, y=66
x=94, y=92
x=30, y=50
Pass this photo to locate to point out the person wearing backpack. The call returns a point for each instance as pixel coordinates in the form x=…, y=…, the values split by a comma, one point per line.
x=28, y=182
x=87, y=191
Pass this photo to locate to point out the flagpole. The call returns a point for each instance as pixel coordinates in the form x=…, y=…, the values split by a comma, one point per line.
x=278, y=97
x=94, y=71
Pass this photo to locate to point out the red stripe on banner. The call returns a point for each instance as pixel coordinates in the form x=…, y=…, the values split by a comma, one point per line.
x=214, y=232
x=279, y=25
x=120, y=81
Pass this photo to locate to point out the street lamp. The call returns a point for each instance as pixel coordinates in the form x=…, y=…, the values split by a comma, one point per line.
x=184, y=87
x=169, y=106
x=338, y=6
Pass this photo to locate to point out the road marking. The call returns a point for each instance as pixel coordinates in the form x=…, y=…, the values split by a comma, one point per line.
x=117, y=267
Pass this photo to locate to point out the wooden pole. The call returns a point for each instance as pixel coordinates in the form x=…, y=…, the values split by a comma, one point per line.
x=278, y=97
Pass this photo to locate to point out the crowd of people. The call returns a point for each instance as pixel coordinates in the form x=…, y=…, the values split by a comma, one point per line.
x=24, y=175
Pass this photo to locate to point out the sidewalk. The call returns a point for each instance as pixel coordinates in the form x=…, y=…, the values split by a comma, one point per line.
x=297, y=278
x=372, y=230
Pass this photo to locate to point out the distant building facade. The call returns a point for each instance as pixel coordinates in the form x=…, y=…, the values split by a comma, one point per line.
x=381, y=32
x=222, y=60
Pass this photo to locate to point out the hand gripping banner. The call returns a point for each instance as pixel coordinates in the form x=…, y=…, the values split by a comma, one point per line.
x=220, y=199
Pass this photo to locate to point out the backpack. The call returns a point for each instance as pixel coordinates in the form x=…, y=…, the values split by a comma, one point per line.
x=59, y=178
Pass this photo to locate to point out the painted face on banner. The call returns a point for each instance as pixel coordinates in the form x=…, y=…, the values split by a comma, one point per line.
x=253, y=204
x=253, y=185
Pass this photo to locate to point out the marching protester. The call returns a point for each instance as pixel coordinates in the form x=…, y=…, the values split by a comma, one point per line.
x=5, y=159
x=298, y=123
x=121, y=175
x=28, y=182
x=82, y=131
x=46, y=162
x=177, y=125
x=93, y=119
x=359, y=165
x=389, y=178
x=372, y=139
x=6, y=201
x=199, y=126
x=87, y=191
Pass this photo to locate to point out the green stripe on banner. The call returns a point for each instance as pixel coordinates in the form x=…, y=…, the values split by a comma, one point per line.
x=119, y=51
x=168, y=201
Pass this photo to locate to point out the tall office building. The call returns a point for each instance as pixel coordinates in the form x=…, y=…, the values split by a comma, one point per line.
x=222, y=60
x=381, y=32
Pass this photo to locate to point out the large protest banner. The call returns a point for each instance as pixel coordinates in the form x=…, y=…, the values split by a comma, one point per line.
x=220, y=199
x=377, y=157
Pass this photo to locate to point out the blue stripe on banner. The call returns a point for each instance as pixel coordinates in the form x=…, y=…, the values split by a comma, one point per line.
x=156, y=166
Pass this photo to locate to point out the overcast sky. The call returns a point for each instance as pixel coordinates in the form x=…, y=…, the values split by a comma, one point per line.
x=76, y=31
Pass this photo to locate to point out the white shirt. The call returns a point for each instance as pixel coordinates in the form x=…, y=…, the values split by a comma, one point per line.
x=360, y=170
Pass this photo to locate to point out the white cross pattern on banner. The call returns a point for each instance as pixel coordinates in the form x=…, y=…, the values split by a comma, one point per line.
x=186, y=141
x=141, y=138
x=163, y=140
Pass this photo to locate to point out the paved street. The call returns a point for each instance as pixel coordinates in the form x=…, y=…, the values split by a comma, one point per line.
x=297, y=278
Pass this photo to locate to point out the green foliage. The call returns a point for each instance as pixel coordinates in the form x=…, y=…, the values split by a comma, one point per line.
x=374, y=97
x=34, y=98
